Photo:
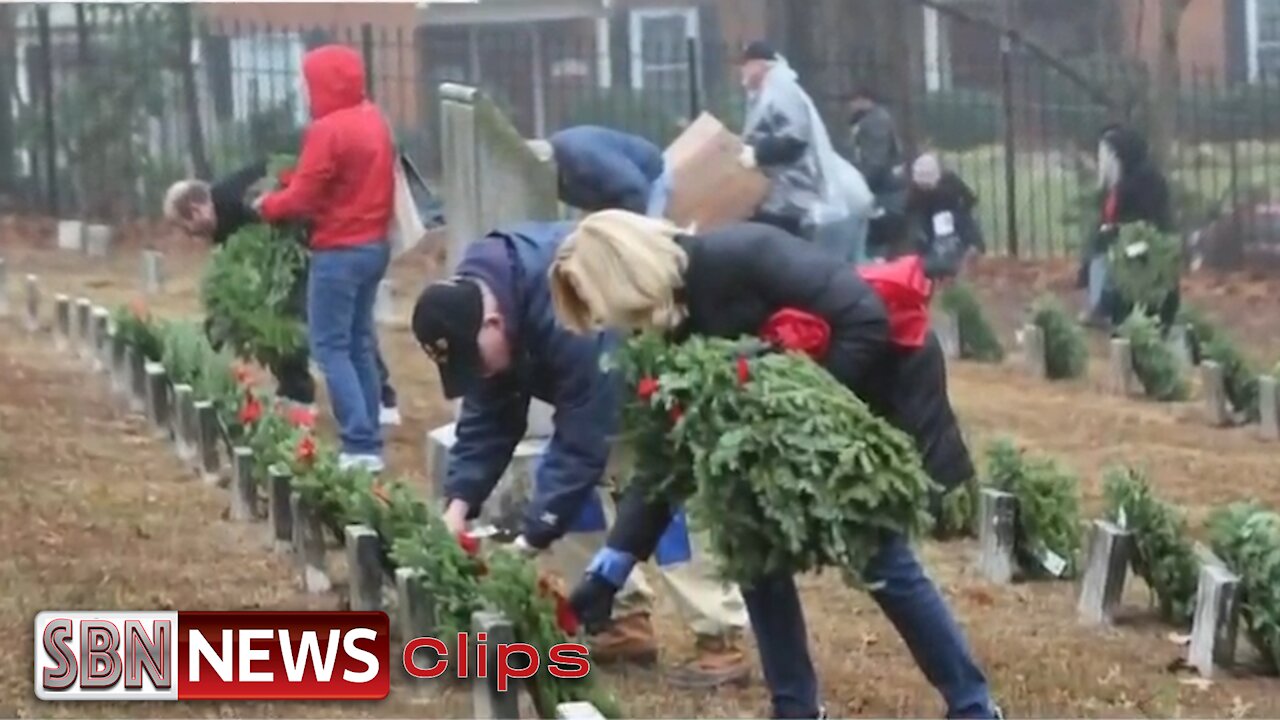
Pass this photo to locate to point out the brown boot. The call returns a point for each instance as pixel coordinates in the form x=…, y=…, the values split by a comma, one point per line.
x=719, y=662
x=629, y=640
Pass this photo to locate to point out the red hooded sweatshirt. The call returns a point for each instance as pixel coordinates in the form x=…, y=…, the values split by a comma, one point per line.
x=344, y=181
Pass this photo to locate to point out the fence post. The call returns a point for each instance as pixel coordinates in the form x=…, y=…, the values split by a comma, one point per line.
x=366, y=51
x=695, y=85
x=1010, y=166
x=46, y=79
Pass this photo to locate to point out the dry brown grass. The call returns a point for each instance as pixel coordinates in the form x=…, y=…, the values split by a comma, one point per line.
x=96, y=514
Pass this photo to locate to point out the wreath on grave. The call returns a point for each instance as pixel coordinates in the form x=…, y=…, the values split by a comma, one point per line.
x=452, y=571
x=1153, y=362
x=1066, y=354
x=1238, y=377
x=1048, y=523
x=781, y=464
x=1247, y=538
x=978, y=341
x=1163, y=555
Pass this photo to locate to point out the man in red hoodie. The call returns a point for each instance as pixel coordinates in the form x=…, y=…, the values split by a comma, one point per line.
x=343, y=186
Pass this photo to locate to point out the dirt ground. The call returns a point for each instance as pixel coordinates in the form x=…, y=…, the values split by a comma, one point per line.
x=96, y=514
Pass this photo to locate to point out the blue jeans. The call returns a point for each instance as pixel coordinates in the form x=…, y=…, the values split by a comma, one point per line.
x=911, y=602
x=1097, y=283
x=341, y=289
x=844, y=240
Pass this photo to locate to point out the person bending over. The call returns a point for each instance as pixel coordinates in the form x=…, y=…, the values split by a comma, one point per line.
x=492, y=334
x=627, y=272
x=214, y=212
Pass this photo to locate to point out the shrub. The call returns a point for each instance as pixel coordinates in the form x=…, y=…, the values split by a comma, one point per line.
x=1238, y=377
x=957, y=512
x=1048, y=531
x=1247, y=538
x=978, y=340
x=1066, y=354
x=1163, y=554
x=1153, y=362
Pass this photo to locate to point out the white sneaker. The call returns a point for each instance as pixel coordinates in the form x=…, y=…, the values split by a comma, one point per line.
x=389, y=415
x=372, y=463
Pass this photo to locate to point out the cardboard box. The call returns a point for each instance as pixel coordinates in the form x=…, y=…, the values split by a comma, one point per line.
x=709, y=186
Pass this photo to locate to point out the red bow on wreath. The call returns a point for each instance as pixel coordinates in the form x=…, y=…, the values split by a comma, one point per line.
x=903, y=288
x=566, y=618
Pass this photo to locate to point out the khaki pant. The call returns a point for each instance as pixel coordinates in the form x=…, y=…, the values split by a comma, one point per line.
x=711, y=607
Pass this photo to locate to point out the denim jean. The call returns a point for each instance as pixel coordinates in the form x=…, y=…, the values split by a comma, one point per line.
x=844, y=240
x=1097, y=283
x=911, y=602
x=341, y=289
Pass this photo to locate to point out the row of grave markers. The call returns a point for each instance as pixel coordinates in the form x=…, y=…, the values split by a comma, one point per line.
x=1123, y=379
x=1109, y=553
x=294, y=526
x=1110, y=548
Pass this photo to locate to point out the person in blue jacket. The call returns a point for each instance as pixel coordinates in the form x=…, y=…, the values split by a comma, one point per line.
x=602, y=169
x=494, y=337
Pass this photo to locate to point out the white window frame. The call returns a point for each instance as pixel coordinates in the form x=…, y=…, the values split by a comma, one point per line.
x=637, y=18
x=1253, y=38
x=279, y=75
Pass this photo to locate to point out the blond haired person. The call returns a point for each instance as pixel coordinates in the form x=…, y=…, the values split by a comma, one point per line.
x=628, y=272
x=491, y=332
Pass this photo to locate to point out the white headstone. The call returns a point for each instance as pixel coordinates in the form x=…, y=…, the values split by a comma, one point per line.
x=71, y=235
x=4, y=289
x=1268, y=408
x=33, y=303
x=152, y=272
x=97, y=240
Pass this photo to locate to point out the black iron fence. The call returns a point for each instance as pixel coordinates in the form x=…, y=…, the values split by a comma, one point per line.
x=111, y=103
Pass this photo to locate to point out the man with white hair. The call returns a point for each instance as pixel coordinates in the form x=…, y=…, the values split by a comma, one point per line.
x=214, y=212
x=940, y=212
x=813, y=192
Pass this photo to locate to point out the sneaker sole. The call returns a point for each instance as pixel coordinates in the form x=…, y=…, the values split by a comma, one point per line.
x=740, y=678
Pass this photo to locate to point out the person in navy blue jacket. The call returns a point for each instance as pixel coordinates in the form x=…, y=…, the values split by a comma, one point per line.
x=600, y=169
x=495, y=339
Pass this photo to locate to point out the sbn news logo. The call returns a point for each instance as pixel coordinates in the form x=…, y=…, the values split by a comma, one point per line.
x=255, y=656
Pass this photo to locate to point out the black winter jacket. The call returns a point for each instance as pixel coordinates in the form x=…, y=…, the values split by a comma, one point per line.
x=737, y=278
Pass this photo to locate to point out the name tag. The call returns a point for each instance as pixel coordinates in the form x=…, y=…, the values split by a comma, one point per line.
x=943, y=224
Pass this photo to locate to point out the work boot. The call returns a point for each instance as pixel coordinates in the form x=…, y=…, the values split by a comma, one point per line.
x=719, y=662
x=630, y=639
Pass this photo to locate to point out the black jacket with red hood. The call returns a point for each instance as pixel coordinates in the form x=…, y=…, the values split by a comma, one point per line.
x=344, y=181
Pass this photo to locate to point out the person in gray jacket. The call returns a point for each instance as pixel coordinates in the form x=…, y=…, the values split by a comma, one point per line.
x=877, y=153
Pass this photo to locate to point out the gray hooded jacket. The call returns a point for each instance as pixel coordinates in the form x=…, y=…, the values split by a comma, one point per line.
x=808, y=180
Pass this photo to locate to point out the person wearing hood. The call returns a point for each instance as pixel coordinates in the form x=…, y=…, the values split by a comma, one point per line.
x=1132, y=190
x=813, y=192
x=343, y=187
x=600, y=168
x=493, y=336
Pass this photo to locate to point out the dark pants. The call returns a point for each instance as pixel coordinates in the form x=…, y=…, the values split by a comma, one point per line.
x=294, y=381
x=910, y=601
